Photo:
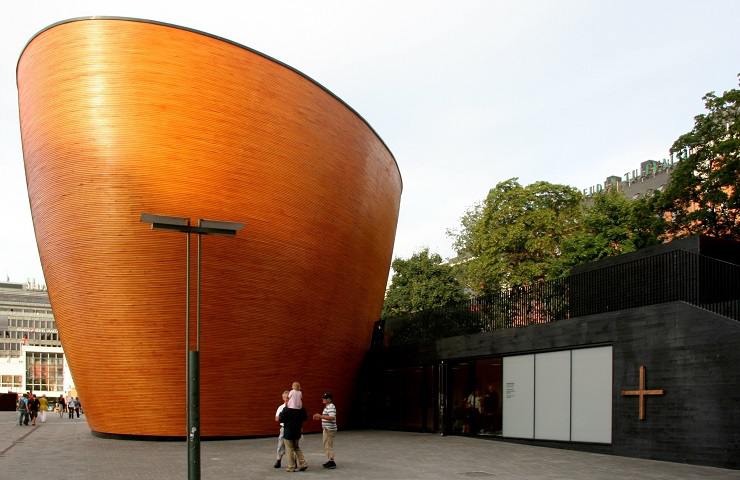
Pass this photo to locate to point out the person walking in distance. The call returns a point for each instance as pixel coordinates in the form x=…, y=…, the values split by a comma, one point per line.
x=62, y=404
x=71, y=407
x=328, y=427
x=78, y=406
x=281, y=440
x=35, y=405
x=23, y=410
x=43, y=407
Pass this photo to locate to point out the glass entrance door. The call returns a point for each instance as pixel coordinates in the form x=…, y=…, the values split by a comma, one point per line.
x=475, y=396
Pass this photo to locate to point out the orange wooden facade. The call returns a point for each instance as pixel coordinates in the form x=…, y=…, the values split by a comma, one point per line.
x=120, y=117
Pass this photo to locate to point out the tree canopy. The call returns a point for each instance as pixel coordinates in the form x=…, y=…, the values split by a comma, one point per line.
x=611, y=224
x=419, y=283
x=522, y=234
x=514, y=237
x=702, y=196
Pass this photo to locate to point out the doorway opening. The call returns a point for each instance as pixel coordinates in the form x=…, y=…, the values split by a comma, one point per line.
x=475, y=406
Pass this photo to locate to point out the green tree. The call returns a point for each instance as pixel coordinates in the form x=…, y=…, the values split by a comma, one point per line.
x=514, y=237
x=612, y=225
x=419, y=283
x=702, y=196
x=648, y=224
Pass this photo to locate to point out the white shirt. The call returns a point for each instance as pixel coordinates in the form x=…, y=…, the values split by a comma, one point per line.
x=277, y=414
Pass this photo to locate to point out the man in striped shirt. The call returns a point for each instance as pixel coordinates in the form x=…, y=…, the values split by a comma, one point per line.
x=329, y=427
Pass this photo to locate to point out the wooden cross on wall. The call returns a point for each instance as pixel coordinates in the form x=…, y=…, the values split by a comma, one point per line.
x=642, y=392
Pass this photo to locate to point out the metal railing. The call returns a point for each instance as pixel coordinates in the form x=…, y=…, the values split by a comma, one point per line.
x=677, y=275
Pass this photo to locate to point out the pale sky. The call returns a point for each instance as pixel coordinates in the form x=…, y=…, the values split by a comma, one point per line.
x=465, y=94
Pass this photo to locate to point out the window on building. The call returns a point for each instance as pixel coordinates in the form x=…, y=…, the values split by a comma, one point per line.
x=44, y=371
x=11, y=381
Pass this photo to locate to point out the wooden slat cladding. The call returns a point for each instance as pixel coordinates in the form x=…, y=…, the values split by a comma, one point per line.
x=122, y=117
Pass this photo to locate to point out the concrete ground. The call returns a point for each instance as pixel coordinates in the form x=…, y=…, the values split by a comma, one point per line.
x=65, y=449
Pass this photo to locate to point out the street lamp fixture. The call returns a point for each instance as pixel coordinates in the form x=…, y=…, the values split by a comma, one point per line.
x=192, y=357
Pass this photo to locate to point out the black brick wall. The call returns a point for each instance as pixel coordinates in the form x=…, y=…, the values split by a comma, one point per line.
x=726, y=250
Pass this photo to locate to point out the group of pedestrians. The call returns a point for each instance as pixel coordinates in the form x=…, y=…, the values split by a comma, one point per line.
x=69, y=405
x=31, y=407
x=291, y=416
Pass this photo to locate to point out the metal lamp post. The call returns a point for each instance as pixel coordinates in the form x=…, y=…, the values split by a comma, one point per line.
x=192, y=357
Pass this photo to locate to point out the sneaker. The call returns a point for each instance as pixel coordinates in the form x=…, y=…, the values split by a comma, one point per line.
x=277, y=463
x=290, y=469
x=303, y=468
x=331, y=464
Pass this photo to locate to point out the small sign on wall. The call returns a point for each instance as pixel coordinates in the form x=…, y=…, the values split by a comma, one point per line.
x=510, y=389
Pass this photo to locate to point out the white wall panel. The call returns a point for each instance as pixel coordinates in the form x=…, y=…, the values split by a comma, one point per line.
x=552, y=396
x=518, y=396
x=592, y=395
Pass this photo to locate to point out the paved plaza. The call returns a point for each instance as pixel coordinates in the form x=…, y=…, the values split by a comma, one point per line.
x=65, y=449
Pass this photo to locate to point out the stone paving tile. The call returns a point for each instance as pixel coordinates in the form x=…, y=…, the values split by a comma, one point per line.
x=63, y=449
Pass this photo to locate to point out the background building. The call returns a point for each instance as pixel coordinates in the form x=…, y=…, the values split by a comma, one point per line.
x=653, y=175
x=31, y=355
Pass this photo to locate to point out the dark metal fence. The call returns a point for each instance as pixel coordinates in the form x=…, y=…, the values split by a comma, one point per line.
x=677, y=275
